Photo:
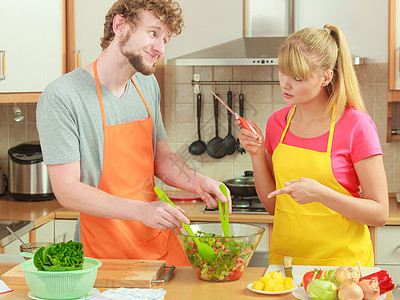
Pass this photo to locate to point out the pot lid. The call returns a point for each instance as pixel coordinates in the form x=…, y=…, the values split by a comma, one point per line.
x=247, y=180
x=29, y=152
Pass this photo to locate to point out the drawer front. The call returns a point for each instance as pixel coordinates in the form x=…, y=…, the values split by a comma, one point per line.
x=388, y=245
x=394, y=271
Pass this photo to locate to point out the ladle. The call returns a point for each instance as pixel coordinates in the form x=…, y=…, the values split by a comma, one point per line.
x=215, y=147
x=241, y=112
x=198, y=147
x=205, y=250
x=9, y=229
x=229, y=141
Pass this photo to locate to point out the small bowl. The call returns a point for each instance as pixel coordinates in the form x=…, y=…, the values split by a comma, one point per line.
x=33, y=247
x=233, y=252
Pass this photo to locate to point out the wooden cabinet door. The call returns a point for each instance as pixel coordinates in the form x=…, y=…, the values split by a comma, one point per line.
x=31, y=38
x=89, y=24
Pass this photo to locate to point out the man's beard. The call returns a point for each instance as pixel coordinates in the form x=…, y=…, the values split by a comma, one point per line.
x=136, y=60
x=137, y=63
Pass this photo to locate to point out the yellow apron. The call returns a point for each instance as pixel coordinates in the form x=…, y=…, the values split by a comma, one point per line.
x=312, y=233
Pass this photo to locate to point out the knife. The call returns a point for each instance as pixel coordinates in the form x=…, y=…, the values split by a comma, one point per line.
x=243, y=122
x=287, y=262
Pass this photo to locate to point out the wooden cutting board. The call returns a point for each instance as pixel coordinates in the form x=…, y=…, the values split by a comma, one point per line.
x=113, y=273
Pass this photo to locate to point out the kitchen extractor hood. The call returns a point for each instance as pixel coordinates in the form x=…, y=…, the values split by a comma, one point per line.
x=267, y=23
x=243, y=51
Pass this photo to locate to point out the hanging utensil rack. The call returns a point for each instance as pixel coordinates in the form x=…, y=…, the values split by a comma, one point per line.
x=245, y=82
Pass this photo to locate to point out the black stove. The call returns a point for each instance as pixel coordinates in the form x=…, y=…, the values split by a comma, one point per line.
x=243, y=205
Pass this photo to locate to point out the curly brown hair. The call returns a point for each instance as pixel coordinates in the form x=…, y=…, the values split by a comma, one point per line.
x=167, y=11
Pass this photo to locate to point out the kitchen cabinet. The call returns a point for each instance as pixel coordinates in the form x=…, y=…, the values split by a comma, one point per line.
x=89, y=25
x=31, y=48
x=64, y=230
x=44, y=233
x=393, y=119
x=387, y=255
x=263, y=245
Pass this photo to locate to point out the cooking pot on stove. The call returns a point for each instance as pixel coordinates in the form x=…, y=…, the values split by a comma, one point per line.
x=28, y=179
x=243, y=186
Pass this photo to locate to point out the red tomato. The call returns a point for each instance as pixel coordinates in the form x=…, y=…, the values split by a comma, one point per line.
x=309, y=276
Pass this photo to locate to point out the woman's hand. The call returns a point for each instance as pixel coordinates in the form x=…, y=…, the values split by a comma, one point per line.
x=302, y=190
x=249, y=140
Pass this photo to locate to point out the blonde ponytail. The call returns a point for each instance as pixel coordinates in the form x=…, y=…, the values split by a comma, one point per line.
x=344, y=90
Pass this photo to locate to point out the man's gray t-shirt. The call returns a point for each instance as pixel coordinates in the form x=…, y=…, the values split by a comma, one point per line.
x=70, y=124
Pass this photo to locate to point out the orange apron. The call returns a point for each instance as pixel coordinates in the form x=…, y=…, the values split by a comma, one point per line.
x=312, y=233
x=128, y=172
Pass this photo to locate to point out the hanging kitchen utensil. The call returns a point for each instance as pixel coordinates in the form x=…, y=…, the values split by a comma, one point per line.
x=229, y=141
x=239, y=147
x=224, y=214
x=215, y=147
x=198, y=147
x=243, y=122
x=205, y=250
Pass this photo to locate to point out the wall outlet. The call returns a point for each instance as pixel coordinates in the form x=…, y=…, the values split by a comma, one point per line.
x=196, y=89
x=196, y=77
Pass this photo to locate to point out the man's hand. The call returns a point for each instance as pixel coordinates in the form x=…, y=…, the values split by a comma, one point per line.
x=161, y=215
x=210, y=192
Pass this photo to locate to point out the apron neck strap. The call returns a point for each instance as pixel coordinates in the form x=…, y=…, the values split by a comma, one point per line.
x=98, y=88
x=332, y=129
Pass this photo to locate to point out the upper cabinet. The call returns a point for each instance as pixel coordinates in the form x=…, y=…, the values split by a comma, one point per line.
x=393, y=126
x=88, y=26
x=31, y=47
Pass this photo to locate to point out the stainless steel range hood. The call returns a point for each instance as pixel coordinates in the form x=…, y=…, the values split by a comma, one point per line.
x=266, y=25
x=244, y=51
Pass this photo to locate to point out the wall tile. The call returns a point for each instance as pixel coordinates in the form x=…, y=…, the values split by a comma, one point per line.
x=381, y=73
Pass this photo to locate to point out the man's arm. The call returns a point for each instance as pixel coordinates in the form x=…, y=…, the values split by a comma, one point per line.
x=171, y=169
x=73, y=194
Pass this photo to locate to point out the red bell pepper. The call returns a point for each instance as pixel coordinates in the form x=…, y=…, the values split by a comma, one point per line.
x=385, y=281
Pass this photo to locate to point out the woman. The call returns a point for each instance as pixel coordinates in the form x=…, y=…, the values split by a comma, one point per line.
x=322, y=151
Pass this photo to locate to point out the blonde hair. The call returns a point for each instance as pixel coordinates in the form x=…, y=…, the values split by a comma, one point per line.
x=167, y=11
x=312, y=51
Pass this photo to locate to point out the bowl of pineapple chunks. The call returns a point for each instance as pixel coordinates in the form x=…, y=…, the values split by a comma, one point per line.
x=273, y=282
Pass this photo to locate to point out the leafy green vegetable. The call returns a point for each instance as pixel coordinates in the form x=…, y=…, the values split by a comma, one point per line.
x=324, y=288
x=232, y=257
x=60, y=257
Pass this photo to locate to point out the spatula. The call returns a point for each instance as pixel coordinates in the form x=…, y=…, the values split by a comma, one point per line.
x=224, y=219
x=205, y=250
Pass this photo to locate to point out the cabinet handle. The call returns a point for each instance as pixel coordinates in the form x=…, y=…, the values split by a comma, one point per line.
x=78, y=58
x=3, y=65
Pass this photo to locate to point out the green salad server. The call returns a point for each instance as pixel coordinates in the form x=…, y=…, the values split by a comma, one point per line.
x=205, y=250
x=224, y=219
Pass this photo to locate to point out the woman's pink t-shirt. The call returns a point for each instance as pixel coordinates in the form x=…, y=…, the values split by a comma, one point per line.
x=355, y=138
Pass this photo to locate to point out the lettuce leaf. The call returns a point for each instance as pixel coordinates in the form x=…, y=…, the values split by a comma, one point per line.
x=60, y=257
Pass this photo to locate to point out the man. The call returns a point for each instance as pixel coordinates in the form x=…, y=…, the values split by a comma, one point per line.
x=103, y=140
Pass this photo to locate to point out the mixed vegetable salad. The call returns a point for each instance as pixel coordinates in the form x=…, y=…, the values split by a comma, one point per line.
x=232, y=257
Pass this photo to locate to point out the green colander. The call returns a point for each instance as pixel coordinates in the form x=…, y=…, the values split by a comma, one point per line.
x=61, y=285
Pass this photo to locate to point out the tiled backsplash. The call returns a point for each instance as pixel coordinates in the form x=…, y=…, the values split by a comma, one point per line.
x=260, y=102
x=13, y=133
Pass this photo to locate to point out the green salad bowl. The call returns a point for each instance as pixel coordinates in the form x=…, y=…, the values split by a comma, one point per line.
x=233, y=252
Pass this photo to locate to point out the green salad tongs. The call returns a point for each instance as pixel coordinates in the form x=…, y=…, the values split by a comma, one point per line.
x=224, y=219
x=205, y=250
